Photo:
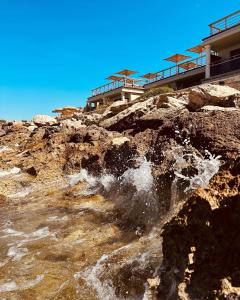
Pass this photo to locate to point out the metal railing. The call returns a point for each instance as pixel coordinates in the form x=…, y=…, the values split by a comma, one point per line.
x=226, y=65
x=176, y=70
x=225, y=23
x=112, y=86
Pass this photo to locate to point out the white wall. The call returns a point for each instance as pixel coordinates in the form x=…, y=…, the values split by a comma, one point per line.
x=226, y=52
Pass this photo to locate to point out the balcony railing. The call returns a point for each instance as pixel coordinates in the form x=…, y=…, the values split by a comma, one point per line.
x=225, y=66
x=176, y=70
x=225, y=23
x=112, y=86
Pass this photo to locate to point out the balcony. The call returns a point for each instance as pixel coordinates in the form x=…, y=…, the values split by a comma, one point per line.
x=225, y=23
x=180, y=69
x=225, y=66
x=126, y=82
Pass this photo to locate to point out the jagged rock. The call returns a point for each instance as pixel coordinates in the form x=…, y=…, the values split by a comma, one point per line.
x=88, y=119
x=120, y=140
x=165, y=101
x=217, y=108
x=2, y=132
x=197, y=238
x=32, y=171
x=31, y=128
x=44, y=119
x=127, y=117
x=72, y=124
x=215, y=131
x=115, y=108
x=209, y=94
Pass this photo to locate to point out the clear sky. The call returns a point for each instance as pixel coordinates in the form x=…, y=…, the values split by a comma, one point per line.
x=53, y=52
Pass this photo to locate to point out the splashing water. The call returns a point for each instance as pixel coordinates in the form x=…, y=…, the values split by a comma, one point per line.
x=13, y=286
x=206, y=169
x=4, y=149
x=12, y=171
x=93, y=183
x=140, y=177
x=134, y=187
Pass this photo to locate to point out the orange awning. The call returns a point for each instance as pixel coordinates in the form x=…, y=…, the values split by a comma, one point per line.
x=149, y=76
x=188, y=65
x=177, y=58
x=126, y=72
x=114, y=78
x=197, y=49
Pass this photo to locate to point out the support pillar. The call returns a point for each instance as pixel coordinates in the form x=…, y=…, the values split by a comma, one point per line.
x=208, y=61
x=123, y=96
x=104, y=100
x=130, y=97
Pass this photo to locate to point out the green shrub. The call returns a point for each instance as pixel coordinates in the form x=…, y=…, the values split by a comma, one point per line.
x=155, y=91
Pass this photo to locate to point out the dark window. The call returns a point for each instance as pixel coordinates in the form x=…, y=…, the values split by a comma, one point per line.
x=235, y=52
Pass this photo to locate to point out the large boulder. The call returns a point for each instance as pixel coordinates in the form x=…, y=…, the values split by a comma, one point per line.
x=2, y=132
x=127, y=117
x=88, y=118
x=72, y=124
x=44, y=120
x=209, y=94
x=115, y=108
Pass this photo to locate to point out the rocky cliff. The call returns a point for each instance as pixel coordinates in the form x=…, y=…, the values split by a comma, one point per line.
x=191, y=139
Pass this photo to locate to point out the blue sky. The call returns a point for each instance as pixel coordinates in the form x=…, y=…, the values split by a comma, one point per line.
x=53, y=52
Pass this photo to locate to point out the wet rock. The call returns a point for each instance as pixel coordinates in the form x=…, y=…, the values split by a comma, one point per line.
x=118, y=159
x=215, y=131
x=2, y=199
x=31, y=171
x=198, y=237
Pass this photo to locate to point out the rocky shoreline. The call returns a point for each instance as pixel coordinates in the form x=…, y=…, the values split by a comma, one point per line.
x=191, y=139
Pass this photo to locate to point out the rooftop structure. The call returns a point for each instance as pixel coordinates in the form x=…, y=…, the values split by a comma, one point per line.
x=219, y=54
x=122, y=88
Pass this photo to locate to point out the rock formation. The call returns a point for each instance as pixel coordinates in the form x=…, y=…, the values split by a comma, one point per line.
x=192, y=140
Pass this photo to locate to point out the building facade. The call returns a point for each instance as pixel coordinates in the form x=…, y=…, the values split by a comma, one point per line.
x=218, y=57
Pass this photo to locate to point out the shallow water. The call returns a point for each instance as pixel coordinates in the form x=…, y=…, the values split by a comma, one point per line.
x=61, y=239
x=56, y=243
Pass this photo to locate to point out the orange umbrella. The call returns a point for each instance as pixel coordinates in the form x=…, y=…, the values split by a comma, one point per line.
x=188, y=65
x=177, y=58
x=149, y=76
x=126, y=72
x=114, y=78
x=197, y=49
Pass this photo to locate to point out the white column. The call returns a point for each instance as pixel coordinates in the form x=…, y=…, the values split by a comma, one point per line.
x=208, y=61
x=123, y=96
x=130, y=97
